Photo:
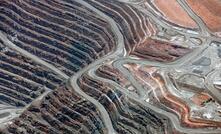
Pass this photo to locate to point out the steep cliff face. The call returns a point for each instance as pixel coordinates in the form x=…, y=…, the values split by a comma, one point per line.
x=62, y=33
x=107, y=66
x=133, y=24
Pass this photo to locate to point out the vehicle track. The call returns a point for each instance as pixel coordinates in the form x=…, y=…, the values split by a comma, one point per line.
x=203, y=28
x=172, y=117
x=33, y=57
x=114, y=54
x=119, y=58
x=117, y=63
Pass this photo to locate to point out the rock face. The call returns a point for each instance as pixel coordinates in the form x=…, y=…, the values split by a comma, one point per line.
x=108, y=67
x=153, y=49
x=132, y=23
x=61, y=111
x=22, y=80
x=63, y=33
x=123, y=111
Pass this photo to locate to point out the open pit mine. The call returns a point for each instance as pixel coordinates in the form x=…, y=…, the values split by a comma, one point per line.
x=110, y=67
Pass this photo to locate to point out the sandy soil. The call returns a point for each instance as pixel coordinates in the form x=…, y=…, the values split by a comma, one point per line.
x=209, y=11
x=174, y=13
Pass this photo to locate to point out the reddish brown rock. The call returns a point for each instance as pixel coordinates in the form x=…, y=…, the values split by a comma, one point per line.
x=157, y=50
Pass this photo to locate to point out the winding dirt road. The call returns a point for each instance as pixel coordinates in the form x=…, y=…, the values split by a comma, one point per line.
x=119, y=58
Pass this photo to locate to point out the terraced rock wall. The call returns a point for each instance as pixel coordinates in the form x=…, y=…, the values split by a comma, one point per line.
x=62, y=33
x=22, y=80
x=76, y=40
x=61, y=111
x=133, y=24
